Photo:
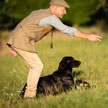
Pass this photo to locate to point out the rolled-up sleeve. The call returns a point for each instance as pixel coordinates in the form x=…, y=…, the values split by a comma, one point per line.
x=56, y=23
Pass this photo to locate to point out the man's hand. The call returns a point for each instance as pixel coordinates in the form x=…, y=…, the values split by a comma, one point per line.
x=94, y=38
x=13, y=53
x=91, y=37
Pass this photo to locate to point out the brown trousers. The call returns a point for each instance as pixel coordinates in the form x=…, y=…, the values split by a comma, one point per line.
x=36, y=67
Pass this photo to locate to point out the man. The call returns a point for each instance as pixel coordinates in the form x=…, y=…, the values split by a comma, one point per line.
x=32, y=29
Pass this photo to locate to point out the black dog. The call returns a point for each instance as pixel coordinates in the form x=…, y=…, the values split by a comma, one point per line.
x=61, y=80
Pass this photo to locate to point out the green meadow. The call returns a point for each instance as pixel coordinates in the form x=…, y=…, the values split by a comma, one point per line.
x=93, y=69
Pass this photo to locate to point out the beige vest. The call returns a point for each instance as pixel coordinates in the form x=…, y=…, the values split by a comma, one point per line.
x=28, y=31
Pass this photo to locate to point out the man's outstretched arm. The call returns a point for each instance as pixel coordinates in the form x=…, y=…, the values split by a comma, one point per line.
x=91, y=37
x=70, y=31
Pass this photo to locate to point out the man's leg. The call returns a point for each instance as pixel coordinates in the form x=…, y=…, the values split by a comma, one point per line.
x=36, y=68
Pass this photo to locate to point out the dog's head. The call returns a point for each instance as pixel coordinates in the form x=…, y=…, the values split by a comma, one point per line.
x=68, y=63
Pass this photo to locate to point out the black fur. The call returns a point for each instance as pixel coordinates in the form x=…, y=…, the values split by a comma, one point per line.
x=60, y=80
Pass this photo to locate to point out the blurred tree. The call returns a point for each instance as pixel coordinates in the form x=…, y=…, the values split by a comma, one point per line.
x=106, y=11
x=82, y=10
x=13, y=11
x=101, y=17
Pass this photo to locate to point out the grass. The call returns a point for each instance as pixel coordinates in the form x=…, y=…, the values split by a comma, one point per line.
x=94, y=69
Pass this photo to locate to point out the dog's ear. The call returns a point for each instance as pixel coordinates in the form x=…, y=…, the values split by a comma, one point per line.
x=62, y=64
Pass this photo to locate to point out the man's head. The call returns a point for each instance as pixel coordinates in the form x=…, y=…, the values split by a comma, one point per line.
x=58, y=7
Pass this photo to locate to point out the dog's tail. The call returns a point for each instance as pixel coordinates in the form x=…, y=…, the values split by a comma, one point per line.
x=23, y=91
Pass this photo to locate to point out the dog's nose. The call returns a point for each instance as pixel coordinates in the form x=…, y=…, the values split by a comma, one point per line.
x=79, y=62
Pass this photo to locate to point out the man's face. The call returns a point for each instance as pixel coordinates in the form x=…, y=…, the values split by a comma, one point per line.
x=60, y=11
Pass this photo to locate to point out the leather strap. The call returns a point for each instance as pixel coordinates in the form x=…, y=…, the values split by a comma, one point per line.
x=51, y=39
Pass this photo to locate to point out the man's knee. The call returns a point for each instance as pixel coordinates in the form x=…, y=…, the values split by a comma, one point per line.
x=41, y=66
x=38, y=65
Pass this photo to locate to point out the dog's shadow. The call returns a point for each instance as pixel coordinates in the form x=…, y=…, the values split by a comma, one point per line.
x=77, y=73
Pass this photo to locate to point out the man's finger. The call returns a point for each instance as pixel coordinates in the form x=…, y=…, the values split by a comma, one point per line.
x=99, y=37
x=98, y=40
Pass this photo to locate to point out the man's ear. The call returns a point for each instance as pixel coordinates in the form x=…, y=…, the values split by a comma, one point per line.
x=52, y=6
